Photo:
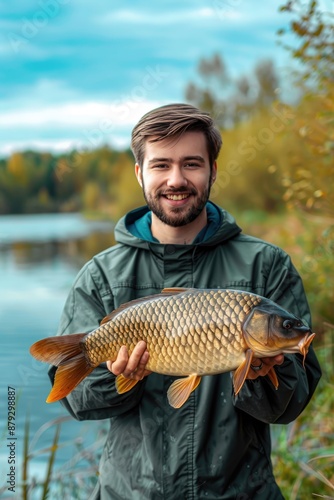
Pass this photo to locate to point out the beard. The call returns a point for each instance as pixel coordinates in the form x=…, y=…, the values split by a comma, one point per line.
x=178, y=216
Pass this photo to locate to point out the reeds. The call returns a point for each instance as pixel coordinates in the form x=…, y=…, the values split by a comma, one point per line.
x=74, y=479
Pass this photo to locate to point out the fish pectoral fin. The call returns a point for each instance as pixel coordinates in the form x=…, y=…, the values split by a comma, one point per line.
x=124, y=384
x=273, y=377
x=241, y=372
x=180, y=390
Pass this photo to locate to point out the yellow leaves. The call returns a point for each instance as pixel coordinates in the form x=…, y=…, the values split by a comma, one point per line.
x=303, y=131
x=298, y=28
x=17, y=168
x=91, y=195
x=272, y=169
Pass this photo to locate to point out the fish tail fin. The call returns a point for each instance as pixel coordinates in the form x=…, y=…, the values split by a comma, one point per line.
x=65, y=352
x=68, y=376
x=56, y=350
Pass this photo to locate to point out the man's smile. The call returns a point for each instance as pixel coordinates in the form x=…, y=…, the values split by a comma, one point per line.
x=177, y=197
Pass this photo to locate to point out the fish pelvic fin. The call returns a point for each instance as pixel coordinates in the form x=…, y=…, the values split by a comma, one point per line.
x=64, y=351
x=241, y=372
x=180, y=390
x=124, y=384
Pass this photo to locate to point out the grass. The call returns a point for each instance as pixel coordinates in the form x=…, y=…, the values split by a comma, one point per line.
x=74, y=479
x=303, y=452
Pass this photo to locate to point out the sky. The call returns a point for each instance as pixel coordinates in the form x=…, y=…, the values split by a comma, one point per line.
x=80, y=74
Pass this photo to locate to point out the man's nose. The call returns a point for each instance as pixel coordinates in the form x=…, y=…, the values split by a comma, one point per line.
x=176, y=178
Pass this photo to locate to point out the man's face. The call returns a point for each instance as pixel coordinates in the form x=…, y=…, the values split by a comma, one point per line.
x=176, y=178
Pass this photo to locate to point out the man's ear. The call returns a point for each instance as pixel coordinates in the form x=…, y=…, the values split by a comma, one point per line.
x=214, y=172
x=138, y=174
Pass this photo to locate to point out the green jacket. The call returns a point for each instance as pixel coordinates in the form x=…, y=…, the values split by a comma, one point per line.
x=216, y=446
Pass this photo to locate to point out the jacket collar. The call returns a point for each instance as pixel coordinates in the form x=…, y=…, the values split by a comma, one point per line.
x=226, y=230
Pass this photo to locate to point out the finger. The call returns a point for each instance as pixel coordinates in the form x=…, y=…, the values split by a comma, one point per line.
x=253, y=374
x=259, y=368
x=135, y=360
x=275, y=360
x=118, y=366
x=267, y=363
x=141, y=371
x=279, y=359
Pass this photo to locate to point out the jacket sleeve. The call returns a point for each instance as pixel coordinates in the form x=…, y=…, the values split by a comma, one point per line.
x=95, y=397
x=297, y=384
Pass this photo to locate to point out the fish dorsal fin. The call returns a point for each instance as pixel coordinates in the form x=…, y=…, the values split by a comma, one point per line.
x=164, y=293
x=176, y=290
x=241, y=372
x=180, y=390
x=131, y=303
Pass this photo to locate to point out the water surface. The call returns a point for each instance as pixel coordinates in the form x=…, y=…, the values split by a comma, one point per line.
x=40, y=256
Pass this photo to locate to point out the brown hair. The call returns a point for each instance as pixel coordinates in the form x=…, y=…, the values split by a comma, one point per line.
x=171, y=121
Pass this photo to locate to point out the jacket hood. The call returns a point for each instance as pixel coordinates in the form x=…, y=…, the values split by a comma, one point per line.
x=228, y=229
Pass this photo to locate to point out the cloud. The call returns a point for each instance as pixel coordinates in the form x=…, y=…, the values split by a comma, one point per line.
x=62, y=145
x=87, y=113
x=54, y=146
x=87, y=125
x=160, y=17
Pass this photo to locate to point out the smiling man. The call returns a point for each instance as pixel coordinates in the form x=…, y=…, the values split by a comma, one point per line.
x=176, y=186
x=217, y=446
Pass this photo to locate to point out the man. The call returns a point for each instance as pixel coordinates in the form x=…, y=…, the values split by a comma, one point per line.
x=217, y=446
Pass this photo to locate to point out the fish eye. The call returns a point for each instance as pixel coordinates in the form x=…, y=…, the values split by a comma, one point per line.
x=287, y=324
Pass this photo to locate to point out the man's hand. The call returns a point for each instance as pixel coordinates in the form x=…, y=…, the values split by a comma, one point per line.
x=133, y=366
x=263, y=366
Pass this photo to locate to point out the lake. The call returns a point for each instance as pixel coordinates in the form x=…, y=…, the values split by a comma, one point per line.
x=40, y=256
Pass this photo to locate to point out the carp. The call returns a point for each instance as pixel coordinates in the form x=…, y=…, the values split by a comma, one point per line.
x=188, y=332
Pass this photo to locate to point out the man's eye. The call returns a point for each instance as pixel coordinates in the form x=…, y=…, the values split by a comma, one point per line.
x=191, y=165
x=160, y=166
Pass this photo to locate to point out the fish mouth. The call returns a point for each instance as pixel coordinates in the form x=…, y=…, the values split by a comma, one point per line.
x=302, y=347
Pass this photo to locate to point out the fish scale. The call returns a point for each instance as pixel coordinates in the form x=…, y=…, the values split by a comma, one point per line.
x=179, y=343
x=188, y=332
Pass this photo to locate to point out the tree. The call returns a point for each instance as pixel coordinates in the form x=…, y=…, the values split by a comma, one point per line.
x=310, y=178
x=230, y=101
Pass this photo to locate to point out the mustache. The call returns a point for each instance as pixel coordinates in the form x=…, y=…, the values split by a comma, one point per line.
x=180, y=190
